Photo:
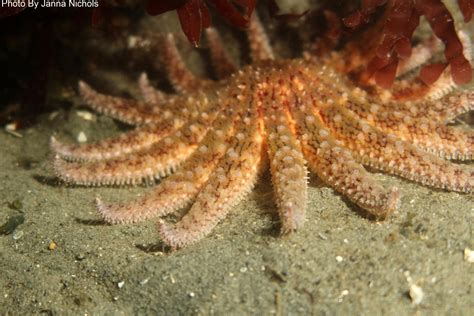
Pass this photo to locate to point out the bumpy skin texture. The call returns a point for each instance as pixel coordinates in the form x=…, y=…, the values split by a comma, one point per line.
x=214, y=138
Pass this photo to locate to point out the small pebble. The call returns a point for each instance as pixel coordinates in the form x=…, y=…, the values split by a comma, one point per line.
x=469, y=255
x=12, y=129
x=53, y=115
x=342, y=295
x=86, y=115
x=137, y=42
x=52, y=245
x=80, y=256
x=17, y=234
x=81, y=137
x=416, y=294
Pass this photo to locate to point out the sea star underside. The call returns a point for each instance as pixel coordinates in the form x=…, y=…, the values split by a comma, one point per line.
x=213, y=138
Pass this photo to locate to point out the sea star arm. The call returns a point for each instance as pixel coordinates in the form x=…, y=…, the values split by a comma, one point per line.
x=125, y=110
x=222, y=63
x=451, y=106
x=149, y=93
x=260, y=48
x=138, y=139
x=443, y=110
x=179, y=75
x=416, y=90
x=164, y=120
x=234, y=176
x=154, y=163
x=393, y=155
x=447, y=142
x=422, y=124
x=179, y=189
x=287, y=165
x=337, y=167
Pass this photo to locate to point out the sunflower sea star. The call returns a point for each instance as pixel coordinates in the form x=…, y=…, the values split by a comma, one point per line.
x=213, y=138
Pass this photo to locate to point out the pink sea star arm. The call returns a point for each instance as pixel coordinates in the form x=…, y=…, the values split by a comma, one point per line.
x=158, y=161
x=287, y=165
x=442, y=111
x=179, y=75
x=422, y=124
x=393, y=155
x=455, y=105
x=138, y=139
x=233, y=178
x=447, y=142
x=150, y=94
x=165, y=120
x=222, y=63
x=179, y=189
x=260, y=48
x=125, y=110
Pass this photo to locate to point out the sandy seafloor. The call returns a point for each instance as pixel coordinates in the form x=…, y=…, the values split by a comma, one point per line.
x=340, y=263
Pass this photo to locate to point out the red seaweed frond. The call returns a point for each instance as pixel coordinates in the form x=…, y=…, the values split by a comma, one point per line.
x=194, y=14
x=467, y=9
x=397, y=25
